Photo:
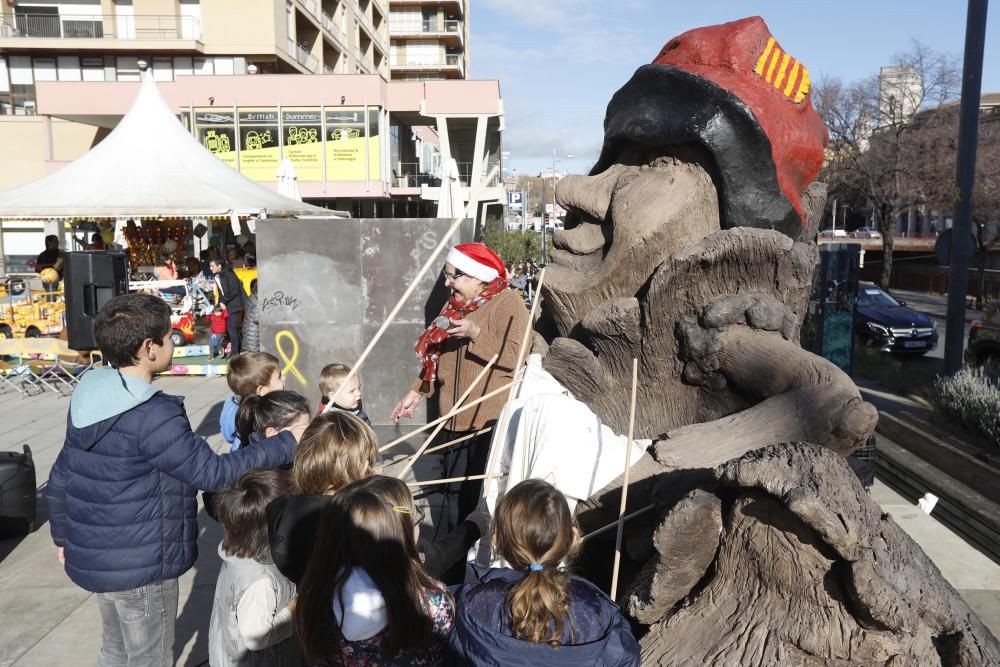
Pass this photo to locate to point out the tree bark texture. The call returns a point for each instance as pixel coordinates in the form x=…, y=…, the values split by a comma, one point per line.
x=783, y=559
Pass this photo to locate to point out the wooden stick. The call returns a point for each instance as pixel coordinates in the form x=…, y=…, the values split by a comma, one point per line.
x=443, y=418
x=473, y=198
x=628, y=464
x=521, y=353
x=450, y=480
x=527, y=331
x=458, y=403
x=613, y=524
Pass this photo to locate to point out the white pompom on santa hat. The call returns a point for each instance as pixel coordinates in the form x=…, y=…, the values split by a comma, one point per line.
x=476, y=260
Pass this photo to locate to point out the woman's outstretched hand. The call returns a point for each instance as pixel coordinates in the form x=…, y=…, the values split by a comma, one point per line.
x=406, y=406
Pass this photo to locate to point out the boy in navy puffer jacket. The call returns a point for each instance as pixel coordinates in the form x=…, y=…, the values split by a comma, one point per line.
x=121, y=494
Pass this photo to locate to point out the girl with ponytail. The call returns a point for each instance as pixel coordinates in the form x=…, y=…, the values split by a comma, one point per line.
x=535, y=612
x=267, y=415
x=262, y=416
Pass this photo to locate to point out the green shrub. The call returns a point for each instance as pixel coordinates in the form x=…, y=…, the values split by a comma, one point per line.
x=971, y=396
x=514, y=247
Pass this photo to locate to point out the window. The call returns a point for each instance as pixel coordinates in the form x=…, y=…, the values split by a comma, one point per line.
x=183, y=66
x=37, y=21
x=405, y=19
x=45, y=69
x=19, y=79
x=124, y=19
x=203, y=67
x=190, y=19
x=69, y=68
x=223, y=66
x=92, y=69
x=163, y=69
x=128, y=68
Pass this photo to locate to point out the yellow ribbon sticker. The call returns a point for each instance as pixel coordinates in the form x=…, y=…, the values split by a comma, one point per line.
x=289, y=361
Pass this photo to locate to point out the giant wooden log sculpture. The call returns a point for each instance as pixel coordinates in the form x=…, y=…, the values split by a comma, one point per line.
x=691, y=248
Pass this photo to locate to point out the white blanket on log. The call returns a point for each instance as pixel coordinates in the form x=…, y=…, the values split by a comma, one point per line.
x=545, y=433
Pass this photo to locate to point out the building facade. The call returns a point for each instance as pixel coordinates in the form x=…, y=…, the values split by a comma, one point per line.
x=104, y=40
x=428, y=39
x=362, y=136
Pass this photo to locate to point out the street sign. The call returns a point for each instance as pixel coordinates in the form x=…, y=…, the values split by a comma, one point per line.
x=514, y=198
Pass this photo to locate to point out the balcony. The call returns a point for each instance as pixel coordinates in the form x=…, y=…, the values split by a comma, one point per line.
x=311, y=7
x=110, y=27
x=331, y=26
x=450, y=64
x=369, y=28
x=456, y=7
x=409, y=175
x=302, y=55
x=449, y=30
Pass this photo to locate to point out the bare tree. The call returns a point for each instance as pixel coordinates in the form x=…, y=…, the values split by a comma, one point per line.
x=872, y=153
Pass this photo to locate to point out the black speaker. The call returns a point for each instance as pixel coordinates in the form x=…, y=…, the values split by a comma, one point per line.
x=90, y=280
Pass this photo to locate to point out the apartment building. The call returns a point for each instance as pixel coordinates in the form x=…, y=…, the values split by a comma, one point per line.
x=104, y=40
x=428, y=39
x=232, y=70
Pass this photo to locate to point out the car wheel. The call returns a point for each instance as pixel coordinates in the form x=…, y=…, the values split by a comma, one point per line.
x=32, y=332
x=177, y=338
x=5, y=331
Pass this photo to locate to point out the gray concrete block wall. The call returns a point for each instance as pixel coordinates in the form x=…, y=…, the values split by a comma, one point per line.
x=331, y=283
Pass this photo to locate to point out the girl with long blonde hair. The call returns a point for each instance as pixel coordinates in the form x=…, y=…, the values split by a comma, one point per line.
x=335, y=450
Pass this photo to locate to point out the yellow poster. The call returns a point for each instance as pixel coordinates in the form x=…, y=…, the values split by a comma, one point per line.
x=259, y=150
x=347, y=149
x=303, y=130
x=216, y=131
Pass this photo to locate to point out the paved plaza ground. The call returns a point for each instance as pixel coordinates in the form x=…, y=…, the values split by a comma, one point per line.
x=45, y=620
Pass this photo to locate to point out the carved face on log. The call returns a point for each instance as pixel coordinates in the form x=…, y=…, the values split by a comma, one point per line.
x=690, y=247
x=697, y=217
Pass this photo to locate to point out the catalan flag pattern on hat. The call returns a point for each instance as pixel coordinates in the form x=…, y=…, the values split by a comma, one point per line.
x=786, y=74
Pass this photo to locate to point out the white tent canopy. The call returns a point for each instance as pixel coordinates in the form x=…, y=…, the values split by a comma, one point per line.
x=149, y=166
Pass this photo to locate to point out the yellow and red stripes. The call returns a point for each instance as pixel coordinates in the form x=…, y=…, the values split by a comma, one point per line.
x=786, y=74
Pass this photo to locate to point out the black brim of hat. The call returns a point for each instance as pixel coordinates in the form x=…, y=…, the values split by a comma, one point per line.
x=662, y=105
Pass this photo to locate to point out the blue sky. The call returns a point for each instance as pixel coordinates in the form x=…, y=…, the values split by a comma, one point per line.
x=559, y=61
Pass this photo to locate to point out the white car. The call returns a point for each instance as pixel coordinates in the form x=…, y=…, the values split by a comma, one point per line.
x=832, y=233
x=865, y=233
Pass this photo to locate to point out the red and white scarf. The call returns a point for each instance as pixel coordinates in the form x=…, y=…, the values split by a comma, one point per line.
x=428, y=346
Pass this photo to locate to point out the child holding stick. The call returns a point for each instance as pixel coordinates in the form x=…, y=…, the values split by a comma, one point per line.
x=336, y=450
x=534, y=612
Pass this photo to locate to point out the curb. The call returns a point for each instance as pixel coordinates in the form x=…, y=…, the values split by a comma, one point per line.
x=915, y=462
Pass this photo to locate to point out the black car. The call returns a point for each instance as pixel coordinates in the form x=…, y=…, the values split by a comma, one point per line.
x=883, y=322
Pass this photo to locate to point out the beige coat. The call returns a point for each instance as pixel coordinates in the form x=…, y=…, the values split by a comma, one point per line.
x=501, y=321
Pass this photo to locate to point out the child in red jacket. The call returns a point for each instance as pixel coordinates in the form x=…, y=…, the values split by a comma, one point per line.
x=217, y=321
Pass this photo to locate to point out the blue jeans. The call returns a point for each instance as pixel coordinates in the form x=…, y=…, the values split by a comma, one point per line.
x=138, y=626
x=214, y=341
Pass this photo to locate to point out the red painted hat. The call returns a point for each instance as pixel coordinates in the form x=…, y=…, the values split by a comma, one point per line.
x=733, y=89
x=477, y=260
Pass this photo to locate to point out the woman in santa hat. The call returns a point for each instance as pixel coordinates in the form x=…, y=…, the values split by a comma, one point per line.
x=481, y=318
